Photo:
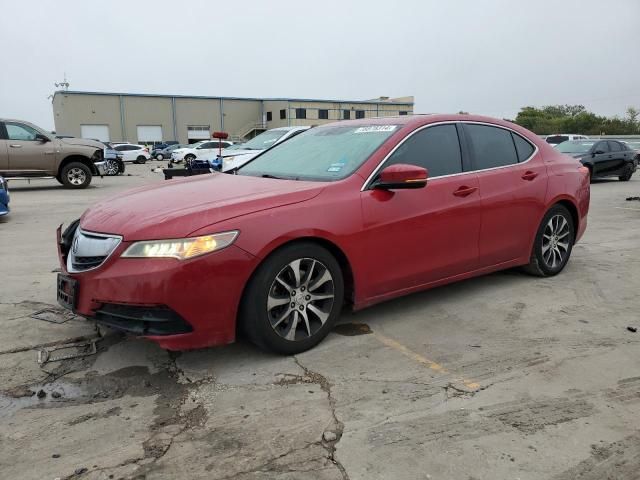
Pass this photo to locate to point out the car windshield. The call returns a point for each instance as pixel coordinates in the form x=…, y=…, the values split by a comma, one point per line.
x=322, y=153
x=556, y=139
x=634, y=145
x=260, y=142
x=196, y=145
x=580, y=146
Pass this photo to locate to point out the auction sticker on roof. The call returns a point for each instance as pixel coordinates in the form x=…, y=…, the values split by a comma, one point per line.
x=376, y=128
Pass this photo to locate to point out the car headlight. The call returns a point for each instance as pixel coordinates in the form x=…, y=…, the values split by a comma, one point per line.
x=226, y=161
x=181, y=249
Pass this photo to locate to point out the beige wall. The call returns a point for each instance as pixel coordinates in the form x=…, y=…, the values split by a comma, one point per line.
x=240, y=115
x=147, y=111
x=196, y=111
x=71, y=111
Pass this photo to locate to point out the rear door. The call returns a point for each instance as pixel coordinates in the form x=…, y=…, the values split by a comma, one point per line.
x=416, y=237
x=618, y=157
x=513, y=184
x=28, y=156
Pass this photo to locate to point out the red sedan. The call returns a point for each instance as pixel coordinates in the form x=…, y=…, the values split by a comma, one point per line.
x=354, y=212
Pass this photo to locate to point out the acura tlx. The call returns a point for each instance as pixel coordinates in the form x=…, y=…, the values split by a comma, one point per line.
x=349, y=213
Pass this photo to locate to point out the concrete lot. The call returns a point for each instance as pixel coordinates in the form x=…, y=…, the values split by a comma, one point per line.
x=501, y=377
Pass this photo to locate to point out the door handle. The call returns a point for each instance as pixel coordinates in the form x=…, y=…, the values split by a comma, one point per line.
x=464, y=191
x=15, y=145
x=529, y=175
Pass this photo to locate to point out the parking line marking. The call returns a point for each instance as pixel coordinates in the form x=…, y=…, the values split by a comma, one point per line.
x=407, y=352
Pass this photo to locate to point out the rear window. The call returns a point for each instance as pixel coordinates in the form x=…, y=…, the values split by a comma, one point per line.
x=523, y=147
x=556, y=139
x=492, y=146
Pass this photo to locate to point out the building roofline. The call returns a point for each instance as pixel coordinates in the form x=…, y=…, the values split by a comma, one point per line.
x=204, y=97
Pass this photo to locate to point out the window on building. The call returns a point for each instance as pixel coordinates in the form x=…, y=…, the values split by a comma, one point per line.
x=323, y=114
x=403, y=112
x=346, y=114
x=269, y=116
x=435, y=148
x=301, y=113
x=283, y=114
x=359, y=113
x=491, y=146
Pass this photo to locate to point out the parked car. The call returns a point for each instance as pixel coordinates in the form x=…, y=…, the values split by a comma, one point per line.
x=603, y=158
x=352, y=212
x=133, y=153
x=161, y=154
x=27, y=151
x=190, y=152
x=4, y=197
x=235, y=156
x=113, y=163
x=558, y=138
x=158, y=147
x=635, y=146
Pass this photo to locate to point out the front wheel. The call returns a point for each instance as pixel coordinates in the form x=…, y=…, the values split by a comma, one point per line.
x=553, y=243
x=293, y=300
x=75, y=175
x=111, y=168
x=189, y=157
x=627, y=173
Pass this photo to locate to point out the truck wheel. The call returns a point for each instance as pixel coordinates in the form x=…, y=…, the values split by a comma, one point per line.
x=75, y=175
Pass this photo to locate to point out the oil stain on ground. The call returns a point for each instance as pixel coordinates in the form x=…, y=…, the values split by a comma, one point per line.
x=352, y=329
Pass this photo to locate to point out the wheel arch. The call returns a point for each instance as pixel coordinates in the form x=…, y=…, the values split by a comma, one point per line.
x=573, y=210
x=332, y=247
x=80, y=159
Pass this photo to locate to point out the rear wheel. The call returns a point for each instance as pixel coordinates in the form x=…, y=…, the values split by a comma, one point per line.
x=293, y=300
x=141, y=160
x=627, y=173
x=159, y=157
x=553, y=243
x=189, y=157
x=75, y=175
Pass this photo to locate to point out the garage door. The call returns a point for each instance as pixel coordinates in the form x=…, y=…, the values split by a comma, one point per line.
x=149, y=133
x=198, y=132
x=99, y=132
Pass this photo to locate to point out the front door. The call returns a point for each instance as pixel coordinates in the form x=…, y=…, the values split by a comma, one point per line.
x=602, y=158
x=27, y=155
x=415, y=237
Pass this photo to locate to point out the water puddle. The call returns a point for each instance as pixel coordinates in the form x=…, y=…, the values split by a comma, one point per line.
x=38, y=396
x=352, y=329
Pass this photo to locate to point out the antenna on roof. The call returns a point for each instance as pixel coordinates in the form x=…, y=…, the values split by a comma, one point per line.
x=64, y=84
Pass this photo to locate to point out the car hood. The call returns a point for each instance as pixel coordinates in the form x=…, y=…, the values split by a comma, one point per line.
x=235, y=153
x=176, y=208
x=82, y=141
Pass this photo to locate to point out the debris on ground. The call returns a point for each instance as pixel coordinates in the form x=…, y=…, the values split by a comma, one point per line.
x=632, y=329
x=19, y=392
x=329, y=436
x=77, y=350
x=631, y=199
x=53, y=315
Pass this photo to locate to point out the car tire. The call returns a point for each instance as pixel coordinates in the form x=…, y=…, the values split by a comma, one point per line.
x=141, y=160
x=627, y=173
x=159, y=157
x=111, y=168
x=189, y=157
x=553, y=243
x=75, y=175
x=293, y=299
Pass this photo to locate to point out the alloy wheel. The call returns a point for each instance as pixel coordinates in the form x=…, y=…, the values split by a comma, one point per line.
x=76, y=176
x=111, y=167
x=300, y=299
x=555, y=241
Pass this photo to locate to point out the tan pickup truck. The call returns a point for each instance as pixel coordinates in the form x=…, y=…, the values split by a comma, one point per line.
x=27, y=151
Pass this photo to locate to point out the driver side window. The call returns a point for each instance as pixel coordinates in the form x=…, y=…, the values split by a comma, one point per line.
x=435, y=148
x=602, y=147
x=17, y=131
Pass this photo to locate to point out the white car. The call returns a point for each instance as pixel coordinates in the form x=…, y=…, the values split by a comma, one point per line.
x=557, y=138
x=237, y=155
x=133, y=153
x=199, y=149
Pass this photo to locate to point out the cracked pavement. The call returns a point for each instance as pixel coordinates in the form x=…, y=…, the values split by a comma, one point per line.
x=505, y=376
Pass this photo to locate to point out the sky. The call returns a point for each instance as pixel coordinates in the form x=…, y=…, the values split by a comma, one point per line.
x=487, y=57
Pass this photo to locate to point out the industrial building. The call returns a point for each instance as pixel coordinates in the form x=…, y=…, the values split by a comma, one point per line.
x=149, y=119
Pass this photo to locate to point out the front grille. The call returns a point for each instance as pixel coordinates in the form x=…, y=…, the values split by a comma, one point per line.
x=90, y=250
x=140, y=320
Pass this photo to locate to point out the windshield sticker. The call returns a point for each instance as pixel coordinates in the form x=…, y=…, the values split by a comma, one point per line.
x=336, y=167
x=376, y=128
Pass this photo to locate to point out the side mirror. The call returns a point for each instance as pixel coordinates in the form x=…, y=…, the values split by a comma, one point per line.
x=42, y=138
x=402, y=176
